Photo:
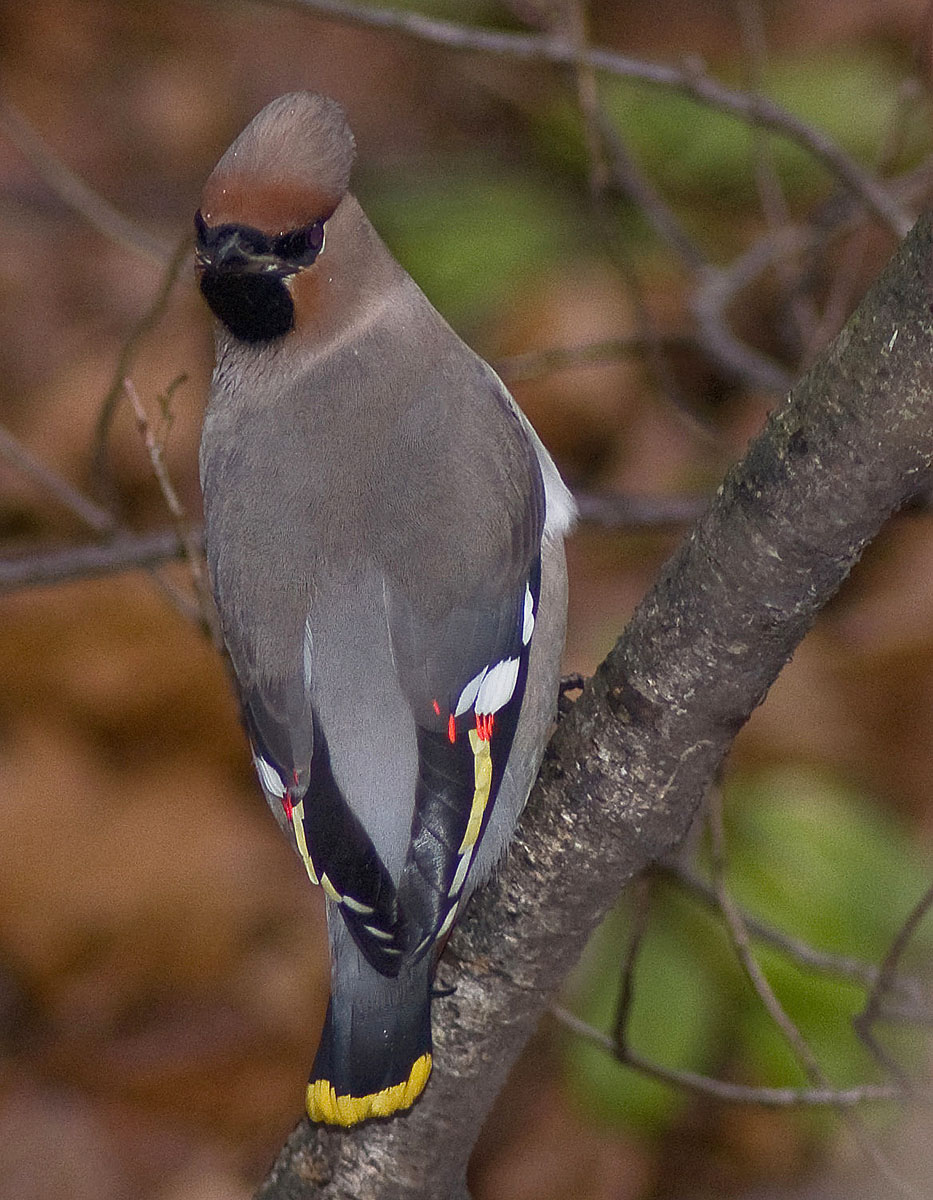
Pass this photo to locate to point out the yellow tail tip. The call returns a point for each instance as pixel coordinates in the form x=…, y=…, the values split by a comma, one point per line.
x=325, y=1105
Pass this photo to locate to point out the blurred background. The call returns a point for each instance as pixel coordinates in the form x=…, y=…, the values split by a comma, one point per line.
x=162, y=968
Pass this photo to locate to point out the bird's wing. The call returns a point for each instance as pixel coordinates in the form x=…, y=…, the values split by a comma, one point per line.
x=336, y=849
x=459, y=565
x=464, y=677
x=461, y=654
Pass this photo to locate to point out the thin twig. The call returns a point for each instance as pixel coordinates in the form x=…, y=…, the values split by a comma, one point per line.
x=738, y=933
x=125, y=359
x=126, y=552
x=843, y=286
x=90, y=514
x=884, y=984
x=718, y=288
x=536, y=363
x=641, y=909
x=721, y=1089
x=77, y=194
x=612, y=510
x=633, y=183
x=192, y=548
x=572, y=26
x=691, y=81
x=119, y=552
x=854, y=969
x=838, y=302
x=576, y=23
x=771, y=196
x=909, y=98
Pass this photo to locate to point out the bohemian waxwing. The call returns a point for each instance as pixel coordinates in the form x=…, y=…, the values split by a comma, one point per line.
x=384, y=534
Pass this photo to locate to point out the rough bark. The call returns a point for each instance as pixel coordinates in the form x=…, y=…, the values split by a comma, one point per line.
x=629, y=765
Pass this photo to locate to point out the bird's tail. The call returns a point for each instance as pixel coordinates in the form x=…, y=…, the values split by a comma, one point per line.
x=374, y=1057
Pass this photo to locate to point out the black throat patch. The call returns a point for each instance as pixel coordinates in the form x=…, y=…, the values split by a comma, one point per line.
x=254, y=307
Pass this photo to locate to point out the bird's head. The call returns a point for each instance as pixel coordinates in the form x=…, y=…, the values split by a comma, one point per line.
x=264, y=212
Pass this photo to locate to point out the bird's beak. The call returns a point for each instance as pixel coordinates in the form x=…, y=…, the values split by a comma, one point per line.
x=231, y=254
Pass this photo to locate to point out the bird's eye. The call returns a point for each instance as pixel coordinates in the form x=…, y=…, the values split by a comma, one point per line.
x=300, y=247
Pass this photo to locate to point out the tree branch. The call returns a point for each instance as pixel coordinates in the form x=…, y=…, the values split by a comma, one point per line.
x=723, y=1089
x=859, y=972
x=631, y=761
x=99, y=462
x=191, y=542
x=691, y=80
x=96, y=518
x=719, y=288
x=534, y=364
x=124, y=552
x=78, y=195
x=886, y=982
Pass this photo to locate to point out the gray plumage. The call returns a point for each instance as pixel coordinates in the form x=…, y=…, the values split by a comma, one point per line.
x=376, y=511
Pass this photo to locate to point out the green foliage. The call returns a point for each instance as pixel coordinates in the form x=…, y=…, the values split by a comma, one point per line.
x=852, y=95
x=469, y=236
x=807, y=856
x=677, y=1003
x=473, y=233
x=704, y=156
x=832, y=869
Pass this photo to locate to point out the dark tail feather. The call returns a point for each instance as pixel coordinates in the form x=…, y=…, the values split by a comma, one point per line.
x=374, y=1056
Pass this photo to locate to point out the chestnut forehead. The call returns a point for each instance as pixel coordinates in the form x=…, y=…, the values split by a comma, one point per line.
x=272, y=206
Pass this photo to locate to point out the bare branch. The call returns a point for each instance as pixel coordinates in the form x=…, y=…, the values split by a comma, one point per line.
x=743, y=948
x=719, y=288
x=772, y=200
x=885, y=983
x=832, y=964
x=186, y=535
x=724, y=1090
x=569, y=22
x=125, y=361
x=126, y=552
x=804, y=1055
x=613, y=510
x=641, y=894
x=576, y=28
x=536, y=363
x=842, y=289
x=690, y=81
x=631, y=182
x=89, y=513
x=77, y=194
